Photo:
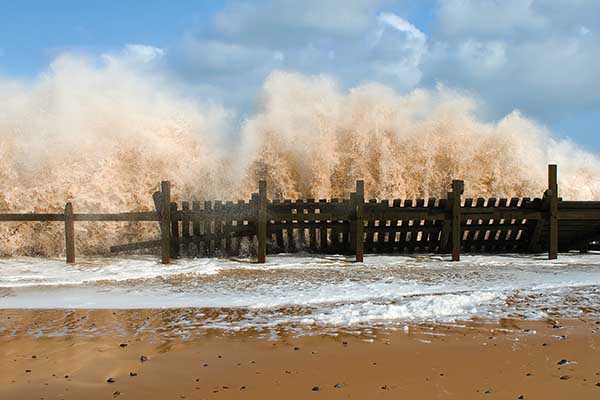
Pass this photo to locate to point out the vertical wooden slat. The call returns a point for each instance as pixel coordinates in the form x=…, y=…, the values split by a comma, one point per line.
x=457, y=191
x=165, y=221
x=261, y=230
x=174, y=231
x=312, y=231
x=359, y=228
x=228, y=227
x=209, y=246
x=553, y=211
x=196, y=227
x=323, y=230
x=218, y=208
x=69, y=233
x=185, y=228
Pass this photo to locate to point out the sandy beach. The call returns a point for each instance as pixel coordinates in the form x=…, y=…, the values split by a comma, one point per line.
x=512, y=359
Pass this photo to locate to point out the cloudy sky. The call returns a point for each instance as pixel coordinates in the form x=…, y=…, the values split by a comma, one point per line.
x=541, y=57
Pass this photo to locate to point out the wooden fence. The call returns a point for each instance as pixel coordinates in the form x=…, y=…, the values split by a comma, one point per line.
x=354, y=226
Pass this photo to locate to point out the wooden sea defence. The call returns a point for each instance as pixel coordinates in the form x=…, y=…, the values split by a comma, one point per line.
x=355, y=225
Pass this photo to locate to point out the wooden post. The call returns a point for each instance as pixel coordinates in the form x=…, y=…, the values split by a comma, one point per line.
x=69, y=233
x=165, y=221
x=196, y=226
x=359, y=198
x=553, y=212
x=174, y=232
x=261, y=230
x=457, y=191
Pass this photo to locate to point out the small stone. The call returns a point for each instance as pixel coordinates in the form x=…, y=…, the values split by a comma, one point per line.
x=338, y=386
x=562, y=337
x=598, y=384
x=27, y=370
x=288, y=372
x=528, y=374
x=544, y=344
x=296, y=348
x=562, y=362
x=122, y=345
x=219, y=356
x=144, y=358
x=110, y=380
x=66, y=376
x=33, y=356
x=565, y=377
x=315, y=389
x=521, y=397
x=488, y=391
x=384, y=387
x=197, y=379
x=133, y=374
x=345, y=343
x=225, y=387
x=205, y=365
x=243, y=388
x=117, y=393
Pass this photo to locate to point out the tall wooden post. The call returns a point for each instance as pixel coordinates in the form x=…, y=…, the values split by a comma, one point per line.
x=359, y=198
x=553, y=212
x=457, y=191
x=165, y=221
x=261, y=231
x=69, y=233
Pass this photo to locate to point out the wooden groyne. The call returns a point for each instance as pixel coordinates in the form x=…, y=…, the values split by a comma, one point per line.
x=354, y=225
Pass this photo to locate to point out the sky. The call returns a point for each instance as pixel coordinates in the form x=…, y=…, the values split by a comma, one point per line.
x=540, y=57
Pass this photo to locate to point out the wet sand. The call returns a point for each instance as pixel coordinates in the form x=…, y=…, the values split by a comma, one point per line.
x=476, y=360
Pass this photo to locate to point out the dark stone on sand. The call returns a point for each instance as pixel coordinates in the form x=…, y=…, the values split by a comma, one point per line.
x=296, y=348
x=123, y=345
x=562, y=337
x=556, y=326
x=544, y=344
x=205, y=365
x=220, y=356
x=66, y=376
x=133, y=374
x=33, y=356
x=565, y=377
x=562, y=362
x=144, y=358
x=243, y=388
x=27, y=370
x=197, y=379
x=345, y=343
x=528, y=374
x=488, y=391
x=110, y=380
x=117, y=393
x=385, y=387
x=315, y=389
x=598, y=384
x=521, y=397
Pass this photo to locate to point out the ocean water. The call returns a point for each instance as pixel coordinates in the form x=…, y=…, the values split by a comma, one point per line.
x=313, y=291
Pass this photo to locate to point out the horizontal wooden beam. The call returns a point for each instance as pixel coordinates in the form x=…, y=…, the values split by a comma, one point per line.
x=149, y=244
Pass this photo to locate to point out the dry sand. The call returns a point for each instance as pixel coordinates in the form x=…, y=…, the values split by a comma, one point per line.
x=508, y=360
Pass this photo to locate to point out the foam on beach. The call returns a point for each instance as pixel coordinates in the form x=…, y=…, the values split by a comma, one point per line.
x=312, y=291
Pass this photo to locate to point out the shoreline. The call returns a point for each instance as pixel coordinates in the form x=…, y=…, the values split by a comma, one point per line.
x=471, y=359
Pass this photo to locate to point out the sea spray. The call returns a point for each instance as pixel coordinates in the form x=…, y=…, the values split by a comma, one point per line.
x=103, y=135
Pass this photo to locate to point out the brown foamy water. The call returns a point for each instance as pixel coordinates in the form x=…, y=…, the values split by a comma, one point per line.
x=104, y=136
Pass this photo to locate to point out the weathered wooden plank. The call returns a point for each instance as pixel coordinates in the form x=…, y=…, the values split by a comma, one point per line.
x=457, y=191
x=69, y=233
x=185, y=227
x=174, y=233
x=262, y=222
x=552, y=212
x=149, y=244
x=165, y=221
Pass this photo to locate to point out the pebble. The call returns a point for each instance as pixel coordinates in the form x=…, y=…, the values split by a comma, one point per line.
x=110, y=380
x=133, y=374
x=562, y=362
x=565, y=377
x=144, y=358
x=117, y=393
x=27, y=370
x=122, y=345
x=521, y=397
x=243, y=388
x=296, y=348
x=488, y=391
x=338, y=386
x=315, y=389
x=385, y=387
x=598, y=384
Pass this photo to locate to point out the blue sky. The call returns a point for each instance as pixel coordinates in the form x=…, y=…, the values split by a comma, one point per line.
x=541, y=57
